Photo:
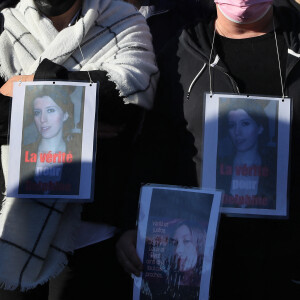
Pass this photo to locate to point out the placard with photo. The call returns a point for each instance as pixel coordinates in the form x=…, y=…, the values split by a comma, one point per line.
x=176, y=237
x=52, y=134
x=246, y=152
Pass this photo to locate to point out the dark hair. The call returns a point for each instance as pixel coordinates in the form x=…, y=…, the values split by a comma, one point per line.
x=254, y=108
x=197, y=233
x=175, y=277
x=60, y=94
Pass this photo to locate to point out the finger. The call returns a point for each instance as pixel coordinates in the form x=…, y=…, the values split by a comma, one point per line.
x=26, y=78
x=126, y=248
x=6, y=89
x=126, y=263
x=127, y=244
x=134, y=259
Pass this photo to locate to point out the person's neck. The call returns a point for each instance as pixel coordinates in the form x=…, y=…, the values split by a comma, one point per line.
x=62, y=21
x=248, y=157
x=229, y=29
x=54, y=144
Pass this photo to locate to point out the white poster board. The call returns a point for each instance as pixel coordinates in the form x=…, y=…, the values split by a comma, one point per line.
x=176, y=239
x=246, y=153
x=52, y=134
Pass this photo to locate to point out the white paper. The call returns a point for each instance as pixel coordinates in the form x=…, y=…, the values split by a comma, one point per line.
x=246, y=153
x=52, y=130
x=176, y=239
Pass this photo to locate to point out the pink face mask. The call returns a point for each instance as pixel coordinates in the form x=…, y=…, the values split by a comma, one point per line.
x=244, y=11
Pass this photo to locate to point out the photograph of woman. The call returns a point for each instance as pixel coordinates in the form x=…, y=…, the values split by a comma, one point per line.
x=186, y=259
x=247, y=159
x=51, y=143
x=179, y=263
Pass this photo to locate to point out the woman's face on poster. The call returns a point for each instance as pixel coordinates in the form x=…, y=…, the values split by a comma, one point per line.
x=48, y=117
x=243, y=130
x=186, y=251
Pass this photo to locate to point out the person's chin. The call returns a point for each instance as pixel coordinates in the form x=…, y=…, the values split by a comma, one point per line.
x=241, y=147
x=239, y=144
x=47, y=136
x=45, y=131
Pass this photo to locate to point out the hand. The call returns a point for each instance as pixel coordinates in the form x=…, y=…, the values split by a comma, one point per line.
x=107, y=131
x=7, y=88
x=126, y=253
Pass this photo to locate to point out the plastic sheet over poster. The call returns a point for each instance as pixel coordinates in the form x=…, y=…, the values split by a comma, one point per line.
x=176, y=238
x=246, y=153
x=52, y=134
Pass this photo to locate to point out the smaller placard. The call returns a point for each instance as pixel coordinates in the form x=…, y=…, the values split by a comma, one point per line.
x=52, y=134
x=176, y=238
x=246, y=153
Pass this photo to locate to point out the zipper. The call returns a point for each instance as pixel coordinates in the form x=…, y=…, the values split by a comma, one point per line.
x=232, y=81
x=193, y=82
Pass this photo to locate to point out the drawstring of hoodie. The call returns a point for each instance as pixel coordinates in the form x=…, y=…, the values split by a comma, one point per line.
x=193, y=82
x=280, y=72
x=209, y=66
x=209, y=70
x=217, y=58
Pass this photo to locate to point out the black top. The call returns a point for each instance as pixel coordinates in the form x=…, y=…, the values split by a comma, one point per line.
x=262, y=75
x=288, y=3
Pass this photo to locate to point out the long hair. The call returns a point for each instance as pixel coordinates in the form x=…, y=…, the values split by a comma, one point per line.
x=254, y=108
x=198, y=234
x=60, y=94
x=174, y=275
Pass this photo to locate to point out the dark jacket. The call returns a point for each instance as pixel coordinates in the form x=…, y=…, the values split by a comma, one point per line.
x=288, y=3
x=250, y=252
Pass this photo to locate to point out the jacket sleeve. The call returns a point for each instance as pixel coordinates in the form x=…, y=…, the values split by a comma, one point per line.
x=154, y=162
x=156, y=153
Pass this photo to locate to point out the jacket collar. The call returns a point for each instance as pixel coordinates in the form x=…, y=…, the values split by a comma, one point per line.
x=197, y=39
